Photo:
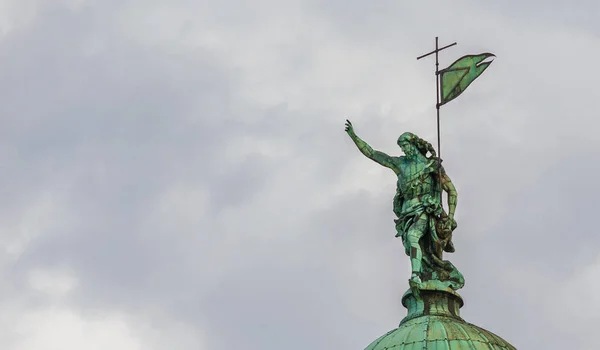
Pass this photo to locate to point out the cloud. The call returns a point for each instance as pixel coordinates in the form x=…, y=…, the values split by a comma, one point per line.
x=55, y=283
x=60, y=329
x=176, y=173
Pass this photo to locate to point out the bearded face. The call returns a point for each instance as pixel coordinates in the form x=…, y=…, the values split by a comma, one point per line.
x=410, y=151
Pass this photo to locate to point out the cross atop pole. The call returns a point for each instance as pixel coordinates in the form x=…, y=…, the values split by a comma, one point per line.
x=437, y=103
x=436, y=49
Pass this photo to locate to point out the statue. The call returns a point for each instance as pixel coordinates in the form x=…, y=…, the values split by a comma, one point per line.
x=426, y=228
x=423, y=224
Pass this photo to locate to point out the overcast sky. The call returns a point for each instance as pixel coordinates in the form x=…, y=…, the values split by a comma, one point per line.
x=175, y=173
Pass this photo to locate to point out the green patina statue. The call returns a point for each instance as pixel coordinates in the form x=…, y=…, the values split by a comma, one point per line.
x=422, y=222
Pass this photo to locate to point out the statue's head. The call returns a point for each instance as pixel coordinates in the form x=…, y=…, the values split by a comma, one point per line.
x=406, y=141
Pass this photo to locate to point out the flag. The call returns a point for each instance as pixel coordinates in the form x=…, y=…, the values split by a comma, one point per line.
x=460, y=74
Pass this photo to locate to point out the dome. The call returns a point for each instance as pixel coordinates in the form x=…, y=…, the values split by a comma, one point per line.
x=440, y=333
x=433, y=322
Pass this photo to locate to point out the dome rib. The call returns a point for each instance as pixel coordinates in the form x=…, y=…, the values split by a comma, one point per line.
x=478, y=330
x=445, y=335
x=426, y=331
x=467, y=336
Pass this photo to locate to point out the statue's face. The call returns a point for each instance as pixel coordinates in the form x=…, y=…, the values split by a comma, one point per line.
x=408, y=148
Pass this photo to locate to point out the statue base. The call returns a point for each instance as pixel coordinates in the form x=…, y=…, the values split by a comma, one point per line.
x=428, y=299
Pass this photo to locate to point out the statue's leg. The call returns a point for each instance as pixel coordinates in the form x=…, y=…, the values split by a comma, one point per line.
x=413, y=236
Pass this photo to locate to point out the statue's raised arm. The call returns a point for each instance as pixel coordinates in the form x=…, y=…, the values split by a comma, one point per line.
x=377, y=156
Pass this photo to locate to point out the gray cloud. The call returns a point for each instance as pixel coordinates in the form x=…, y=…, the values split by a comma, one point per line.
x=177, y=175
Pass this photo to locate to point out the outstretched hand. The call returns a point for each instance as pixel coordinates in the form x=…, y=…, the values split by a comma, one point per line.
x=349, y=128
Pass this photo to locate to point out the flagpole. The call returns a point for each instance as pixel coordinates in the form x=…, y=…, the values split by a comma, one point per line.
x=437, y=107
x=437, y=103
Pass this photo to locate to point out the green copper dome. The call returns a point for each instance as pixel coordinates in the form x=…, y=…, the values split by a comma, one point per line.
x=433, y=322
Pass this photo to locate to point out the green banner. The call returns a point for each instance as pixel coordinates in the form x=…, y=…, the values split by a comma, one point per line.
x=460, y=74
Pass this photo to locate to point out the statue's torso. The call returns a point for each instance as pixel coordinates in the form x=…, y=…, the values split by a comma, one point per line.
x=415, y=178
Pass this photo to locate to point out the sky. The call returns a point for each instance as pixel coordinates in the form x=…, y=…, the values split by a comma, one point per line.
x=176, y=175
